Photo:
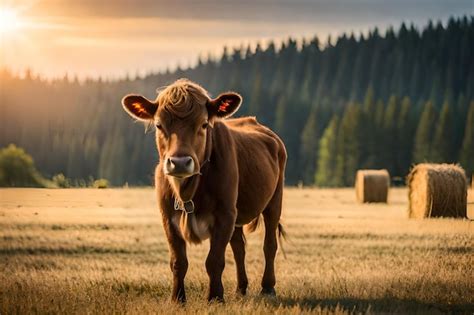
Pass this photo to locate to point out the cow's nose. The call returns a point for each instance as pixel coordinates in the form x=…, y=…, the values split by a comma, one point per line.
x=180, y=166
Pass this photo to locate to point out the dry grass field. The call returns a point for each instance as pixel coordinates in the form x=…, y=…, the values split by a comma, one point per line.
x=86, y=251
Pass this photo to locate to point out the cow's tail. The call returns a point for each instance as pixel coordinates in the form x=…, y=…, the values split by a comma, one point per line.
x=282, y=235
x=253, y=225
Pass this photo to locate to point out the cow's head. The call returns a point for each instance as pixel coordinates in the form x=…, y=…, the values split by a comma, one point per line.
x=183, y=114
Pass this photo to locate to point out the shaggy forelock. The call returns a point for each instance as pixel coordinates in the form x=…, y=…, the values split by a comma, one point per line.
x=183, y=98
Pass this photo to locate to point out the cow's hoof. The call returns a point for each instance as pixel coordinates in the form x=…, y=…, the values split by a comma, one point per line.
x=241, y=291
x=178, y=295
x=268, y=292
x=179, y=301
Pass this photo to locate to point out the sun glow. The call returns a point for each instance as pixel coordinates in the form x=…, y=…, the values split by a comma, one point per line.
x=9, y=20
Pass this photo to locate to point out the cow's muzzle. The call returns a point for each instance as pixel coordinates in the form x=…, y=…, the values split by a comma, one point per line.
x=179, y=166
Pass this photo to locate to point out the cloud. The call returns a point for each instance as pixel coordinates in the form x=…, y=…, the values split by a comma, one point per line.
x=258, y=10
x=113, y=37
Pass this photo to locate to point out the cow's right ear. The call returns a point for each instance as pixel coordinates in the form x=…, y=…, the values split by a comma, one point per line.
x=139, y=107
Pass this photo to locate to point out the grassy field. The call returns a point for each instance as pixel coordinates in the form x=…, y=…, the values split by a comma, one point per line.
x=104, y=251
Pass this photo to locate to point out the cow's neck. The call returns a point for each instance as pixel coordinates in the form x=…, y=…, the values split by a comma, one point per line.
x=185, y=189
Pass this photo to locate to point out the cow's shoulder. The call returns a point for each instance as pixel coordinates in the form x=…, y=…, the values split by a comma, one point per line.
x=242, y=122
x=247, y=125
x=250, y=127
x=249, y=134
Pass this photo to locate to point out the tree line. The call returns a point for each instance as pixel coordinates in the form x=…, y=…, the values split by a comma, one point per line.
x=360, y=101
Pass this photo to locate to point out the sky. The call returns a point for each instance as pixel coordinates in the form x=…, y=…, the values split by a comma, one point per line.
x=112, y=38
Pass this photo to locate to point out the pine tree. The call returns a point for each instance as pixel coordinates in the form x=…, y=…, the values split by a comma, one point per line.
x=75, y=158
x=424, y=134
x=390, y=137
x=112, y=159
x=466, y=156
x=255, y=101
x=309, y=147
x=326, y=164
x=405, y=129
x=377, y=135
x=281, y=112
x=369, y=102
x=369, y=125
x=91, y=156
x=349, y=143
x=287, y=118
x=442, y=150
x=460, y=114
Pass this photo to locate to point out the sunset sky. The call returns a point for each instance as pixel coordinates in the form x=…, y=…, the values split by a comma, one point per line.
x=113, y=37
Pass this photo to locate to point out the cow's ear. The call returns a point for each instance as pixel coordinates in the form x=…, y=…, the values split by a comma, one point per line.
x=139, y=107
x=225, y=105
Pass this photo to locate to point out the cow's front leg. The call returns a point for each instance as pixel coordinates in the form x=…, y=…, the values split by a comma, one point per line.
x=178, y=261
x=215, y=262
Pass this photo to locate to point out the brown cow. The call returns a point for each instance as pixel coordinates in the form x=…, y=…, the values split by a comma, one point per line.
x=215, y=175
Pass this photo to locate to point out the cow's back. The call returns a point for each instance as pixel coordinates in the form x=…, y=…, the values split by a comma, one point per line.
x=261, y=158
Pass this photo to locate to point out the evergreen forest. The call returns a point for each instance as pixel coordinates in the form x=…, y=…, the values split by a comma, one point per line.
x=378, y=100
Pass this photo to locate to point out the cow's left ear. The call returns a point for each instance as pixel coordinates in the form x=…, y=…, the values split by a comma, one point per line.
x=225, y=105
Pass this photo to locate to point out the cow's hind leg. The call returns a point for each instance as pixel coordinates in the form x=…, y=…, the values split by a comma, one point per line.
x=237, y=243
x=271, y=217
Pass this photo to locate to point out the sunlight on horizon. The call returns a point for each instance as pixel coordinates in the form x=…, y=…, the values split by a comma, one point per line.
x=9, y=20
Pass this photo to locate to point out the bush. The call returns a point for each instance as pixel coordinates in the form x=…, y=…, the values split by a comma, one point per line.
x=61, y=181
x=17, y=169
x=101, y=183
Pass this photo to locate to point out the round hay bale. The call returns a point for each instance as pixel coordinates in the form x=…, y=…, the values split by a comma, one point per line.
x=372, y=185
x=437, y=190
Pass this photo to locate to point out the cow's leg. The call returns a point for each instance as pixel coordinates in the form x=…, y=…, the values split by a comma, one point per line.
x=237, y=243
x=178, y=260
x=271, y=217
x=215, y=262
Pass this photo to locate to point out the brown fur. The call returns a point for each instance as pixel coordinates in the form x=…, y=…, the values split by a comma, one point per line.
x=242, y=180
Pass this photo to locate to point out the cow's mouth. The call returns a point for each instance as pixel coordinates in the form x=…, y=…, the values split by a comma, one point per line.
x=179, y=176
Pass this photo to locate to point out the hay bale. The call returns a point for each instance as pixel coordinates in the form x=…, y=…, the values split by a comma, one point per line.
x=437, y=190
x=372, y=185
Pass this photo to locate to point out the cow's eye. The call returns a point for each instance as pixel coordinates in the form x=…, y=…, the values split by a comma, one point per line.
x=204, y=125
x=159, y=127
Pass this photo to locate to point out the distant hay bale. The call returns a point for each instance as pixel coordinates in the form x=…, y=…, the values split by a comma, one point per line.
x=437, y=190
x=372, y=185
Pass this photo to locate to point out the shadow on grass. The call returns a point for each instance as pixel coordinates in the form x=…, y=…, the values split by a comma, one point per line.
x=382, y=305
x=79, y=250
